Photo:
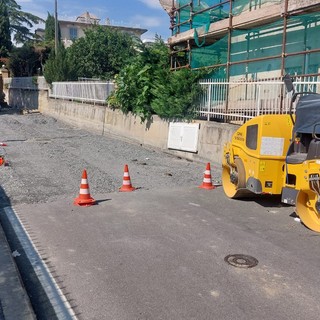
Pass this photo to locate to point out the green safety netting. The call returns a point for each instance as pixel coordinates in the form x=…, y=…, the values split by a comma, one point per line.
x=265, y=43
x=239, y=6
x=200, y=13
x=207, y=56
x=248, y=46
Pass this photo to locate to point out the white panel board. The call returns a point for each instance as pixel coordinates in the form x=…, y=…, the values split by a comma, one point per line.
x=271, y=146
x=175, y=135
x=183, y=136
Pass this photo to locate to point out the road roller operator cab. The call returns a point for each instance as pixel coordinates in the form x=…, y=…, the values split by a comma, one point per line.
x=279, y=155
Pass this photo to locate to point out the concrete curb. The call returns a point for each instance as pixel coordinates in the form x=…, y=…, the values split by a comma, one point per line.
x=14, y=301
x=45, y=296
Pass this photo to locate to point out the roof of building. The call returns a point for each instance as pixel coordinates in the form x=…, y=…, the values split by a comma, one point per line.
x=86, y=25
x=87, y=17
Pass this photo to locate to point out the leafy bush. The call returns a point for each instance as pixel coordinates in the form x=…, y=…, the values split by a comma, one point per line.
x=175, y=94
x=146, y=86
x=134, y=84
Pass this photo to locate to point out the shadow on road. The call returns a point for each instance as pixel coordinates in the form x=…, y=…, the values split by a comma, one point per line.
x=4, y=199
x=273, y=201
x=9, y=110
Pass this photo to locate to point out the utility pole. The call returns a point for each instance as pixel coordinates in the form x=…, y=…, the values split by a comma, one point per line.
x=56, y=40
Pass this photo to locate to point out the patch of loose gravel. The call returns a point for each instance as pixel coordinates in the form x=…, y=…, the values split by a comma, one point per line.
x=46, y=159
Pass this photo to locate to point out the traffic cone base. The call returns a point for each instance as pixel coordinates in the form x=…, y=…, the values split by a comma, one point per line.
x=126, y=184
x=207, y=181
x=126, y=188
x=84, y=202
x=204, y=186
x=84, y=198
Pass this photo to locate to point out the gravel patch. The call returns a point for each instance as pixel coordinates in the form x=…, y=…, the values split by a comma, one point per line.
x=46, y=158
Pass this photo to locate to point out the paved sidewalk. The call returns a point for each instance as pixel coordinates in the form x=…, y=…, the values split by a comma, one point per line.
x=14, y=301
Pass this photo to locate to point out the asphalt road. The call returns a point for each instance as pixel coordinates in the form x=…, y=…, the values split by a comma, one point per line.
x=158, y=252
x=160, y=255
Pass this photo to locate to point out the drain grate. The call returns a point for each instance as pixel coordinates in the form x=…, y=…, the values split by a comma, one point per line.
x=241, y=261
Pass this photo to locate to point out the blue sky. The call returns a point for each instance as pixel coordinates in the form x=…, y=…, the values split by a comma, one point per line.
x=146, y=14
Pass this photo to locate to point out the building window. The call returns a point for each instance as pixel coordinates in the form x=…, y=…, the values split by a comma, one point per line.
x=73, y=33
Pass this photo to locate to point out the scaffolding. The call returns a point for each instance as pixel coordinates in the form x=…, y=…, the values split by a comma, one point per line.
x=246, y=39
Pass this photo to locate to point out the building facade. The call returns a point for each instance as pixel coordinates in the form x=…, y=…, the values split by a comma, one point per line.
x=72, y=30
x=245, y=39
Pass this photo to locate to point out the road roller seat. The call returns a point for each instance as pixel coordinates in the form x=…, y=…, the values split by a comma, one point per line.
x=314, y=150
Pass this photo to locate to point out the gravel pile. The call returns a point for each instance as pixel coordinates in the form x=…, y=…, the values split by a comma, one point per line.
x=46, y=158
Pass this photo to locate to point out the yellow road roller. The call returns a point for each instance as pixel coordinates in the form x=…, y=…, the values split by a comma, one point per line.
x=279, y=155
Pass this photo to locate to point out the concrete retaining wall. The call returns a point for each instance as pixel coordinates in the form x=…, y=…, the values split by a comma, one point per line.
x=103, y=120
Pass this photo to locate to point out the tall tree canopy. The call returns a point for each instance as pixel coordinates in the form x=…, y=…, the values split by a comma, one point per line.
x=24, y=61
x=5, y=39
x=20, y=22
x=101, y=53
x=49, y=31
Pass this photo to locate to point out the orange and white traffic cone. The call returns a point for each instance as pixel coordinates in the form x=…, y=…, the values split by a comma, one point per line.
x=126, y=184
x=84, y=198
x=207, y=181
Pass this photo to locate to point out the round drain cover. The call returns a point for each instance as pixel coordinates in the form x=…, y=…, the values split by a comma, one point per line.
x=241, y=260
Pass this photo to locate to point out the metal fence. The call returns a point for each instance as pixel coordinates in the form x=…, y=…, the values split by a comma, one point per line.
x=88, y=91
x=241, y=100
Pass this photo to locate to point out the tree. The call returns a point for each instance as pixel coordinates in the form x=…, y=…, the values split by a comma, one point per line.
x=20, y=22
x=5, y=40
x=24, y=61
x=47, y=44
x=101, y=53
x=49, y=31
x=57, y=67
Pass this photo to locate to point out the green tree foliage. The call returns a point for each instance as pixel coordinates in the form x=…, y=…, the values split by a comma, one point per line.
x=175, y=94
x=146, y=86
x=57, y=67
x=49, y=31
x=47, y=45
x=20, y=22
x=24, y=61
x=5, y=40
x=101, y=53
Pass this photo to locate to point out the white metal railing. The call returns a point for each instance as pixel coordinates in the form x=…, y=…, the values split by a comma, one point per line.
x=240, y=100
x=89, y=91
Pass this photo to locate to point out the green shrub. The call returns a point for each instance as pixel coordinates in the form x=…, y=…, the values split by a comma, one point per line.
x=57, y=67
x=146, y=86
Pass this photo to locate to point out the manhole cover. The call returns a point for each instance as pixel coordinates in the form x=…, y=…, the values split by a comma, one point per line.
x=241, y=260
